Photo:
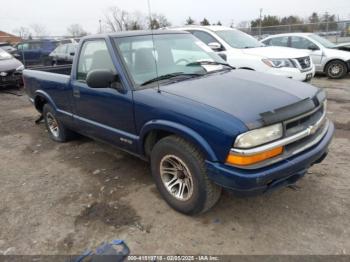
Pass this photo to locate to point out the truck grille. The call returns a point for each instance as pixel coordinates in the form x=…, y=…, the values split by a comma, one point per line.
x=304, y=62
x=299, y=124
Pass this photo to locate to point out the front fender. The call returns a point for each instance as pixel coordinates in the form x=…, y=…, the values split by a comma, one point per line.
x=180, y=130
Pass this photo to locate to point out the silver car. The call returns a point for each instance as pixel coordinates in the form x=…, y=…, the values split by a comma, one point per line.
x=325, y=55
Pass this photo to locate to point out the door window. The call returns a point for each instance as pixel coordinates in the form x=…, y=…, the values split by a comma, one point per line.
x=204, y=37
x=279, y=41
x=34, y=45
x=24, y=46
x=301, y=43
x=94, y=55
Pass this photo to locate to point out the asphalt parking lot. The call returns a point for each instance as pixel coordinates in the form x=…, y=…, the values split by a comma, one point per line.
x=65, y=198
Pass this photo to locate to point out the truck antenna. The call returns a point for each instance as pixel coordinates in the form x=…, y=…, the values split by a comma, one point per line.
x=154, y=48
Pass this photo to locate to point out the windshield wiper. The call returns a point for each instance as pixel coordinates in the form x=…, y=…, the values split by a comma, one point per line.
x=209, y=63
x=168, y=76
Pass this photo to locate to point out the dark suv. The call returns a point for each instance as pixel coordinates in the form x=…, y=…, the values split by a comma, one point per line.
x=36, y=52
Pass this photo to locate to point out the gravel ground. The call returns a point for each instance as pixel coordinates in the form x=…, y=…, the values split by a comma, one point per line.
x=65, y=198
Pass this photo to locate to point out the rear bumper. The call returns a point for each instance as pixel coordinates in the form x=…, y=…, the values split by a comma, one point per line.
x=281, y=174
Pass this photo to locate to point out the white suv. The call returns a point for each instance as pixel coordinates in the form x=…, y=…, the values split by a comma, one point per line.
x=325, y=55
x=244, y=51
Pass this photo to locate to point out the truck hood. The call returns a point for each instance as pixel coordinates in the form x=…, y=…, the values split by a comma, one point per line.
x=242, y=93
x=275, y=52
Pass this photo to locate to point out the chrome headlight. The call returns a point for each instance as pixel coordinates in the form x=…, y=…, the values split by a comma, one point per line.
x=20, y=68
x=278, y=63
x=259, y=136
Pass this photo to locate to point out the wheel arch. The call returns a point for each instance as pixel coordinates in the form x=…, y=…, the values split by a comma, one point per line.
x=40, y=99
x=153, y=131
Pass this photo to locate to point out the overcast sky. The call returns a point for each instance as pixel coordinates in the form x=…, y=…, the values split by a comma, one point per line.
x=58, y=15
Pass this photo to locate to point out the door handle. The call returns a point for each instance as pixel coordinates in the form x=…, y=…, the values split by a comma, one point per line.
x=76, y=92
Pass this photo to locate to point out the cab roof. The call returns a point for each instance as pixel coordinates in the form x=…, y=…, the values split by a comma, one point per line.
x=136, y=33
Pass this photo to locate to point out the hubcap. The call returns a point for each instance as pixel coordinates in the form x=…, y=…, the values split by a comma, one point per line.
x=52, y=124
x=336, y=69
x=176, y=177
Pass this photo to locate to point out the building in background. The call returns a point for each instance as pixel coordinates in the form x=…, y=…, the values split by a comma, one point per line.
x=6, y=37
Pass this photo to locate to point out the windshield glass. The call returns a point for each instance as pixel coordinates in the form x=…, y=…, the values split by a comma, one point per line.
x=4, y=55
x=171, y=54
x=238, y=39
x=323, y=41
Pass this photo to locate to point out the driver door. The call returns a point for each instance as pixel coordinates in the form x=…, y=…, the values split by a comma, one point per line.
x=103, y=113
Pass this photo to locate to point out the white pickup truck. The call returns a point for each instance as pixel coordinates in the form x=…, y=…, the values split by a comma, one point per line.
x=244, y=51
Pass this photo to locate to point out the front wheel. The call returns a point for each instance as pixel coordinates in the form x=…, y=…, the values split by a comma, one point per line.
x=179, y=171
x=336, y=69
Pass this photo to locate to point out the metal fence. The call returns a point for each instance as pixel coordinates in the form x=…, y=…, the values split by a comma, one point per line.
x=337, y=32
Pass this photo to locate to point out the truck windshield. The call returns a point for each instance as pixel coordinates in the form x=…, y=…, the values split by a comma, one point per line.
x=238, y=39
x=323, y=41
x=165, y=56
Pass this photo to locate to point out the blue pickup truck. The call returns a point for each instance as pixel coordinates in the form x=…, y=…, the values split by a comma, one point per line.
x=202, y=125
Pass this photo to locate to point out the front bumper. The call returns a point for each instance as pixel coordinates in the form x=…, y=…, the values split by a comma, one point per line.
x=14, y=79
x=281, y=174
x=293, y=73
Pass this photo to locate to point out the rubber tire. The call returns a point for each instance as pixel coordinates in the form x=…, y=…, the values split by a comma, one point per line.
x=64, y=133
x=205, y=192
x=345, y=69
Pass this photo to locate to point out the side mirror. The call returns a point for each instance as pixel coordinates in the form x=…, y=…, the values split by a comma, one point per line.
x=313, y=47
x=71, y=53
x=101, y=78
x=215, y=46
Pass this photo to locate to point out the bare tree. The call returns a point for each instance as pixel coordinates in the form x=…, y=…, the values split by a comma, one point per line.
x=157, y=21
x=39, y=30
x=22, y=32
x=76, y=30
x=117, y=19
x=136, y=21
x=244, y=24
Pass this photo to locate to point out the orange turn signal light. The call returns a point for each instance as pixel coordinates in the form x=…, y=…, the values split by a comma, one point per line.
x=241, y=160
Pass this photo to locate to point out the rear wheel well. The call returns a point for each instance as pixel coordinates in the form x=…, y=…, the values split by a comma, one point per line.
x=39, y=103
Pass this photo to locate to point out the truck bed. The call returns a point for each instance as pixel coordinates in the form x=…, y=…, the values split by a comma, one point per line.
x=61, y=69
x=54, y=81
